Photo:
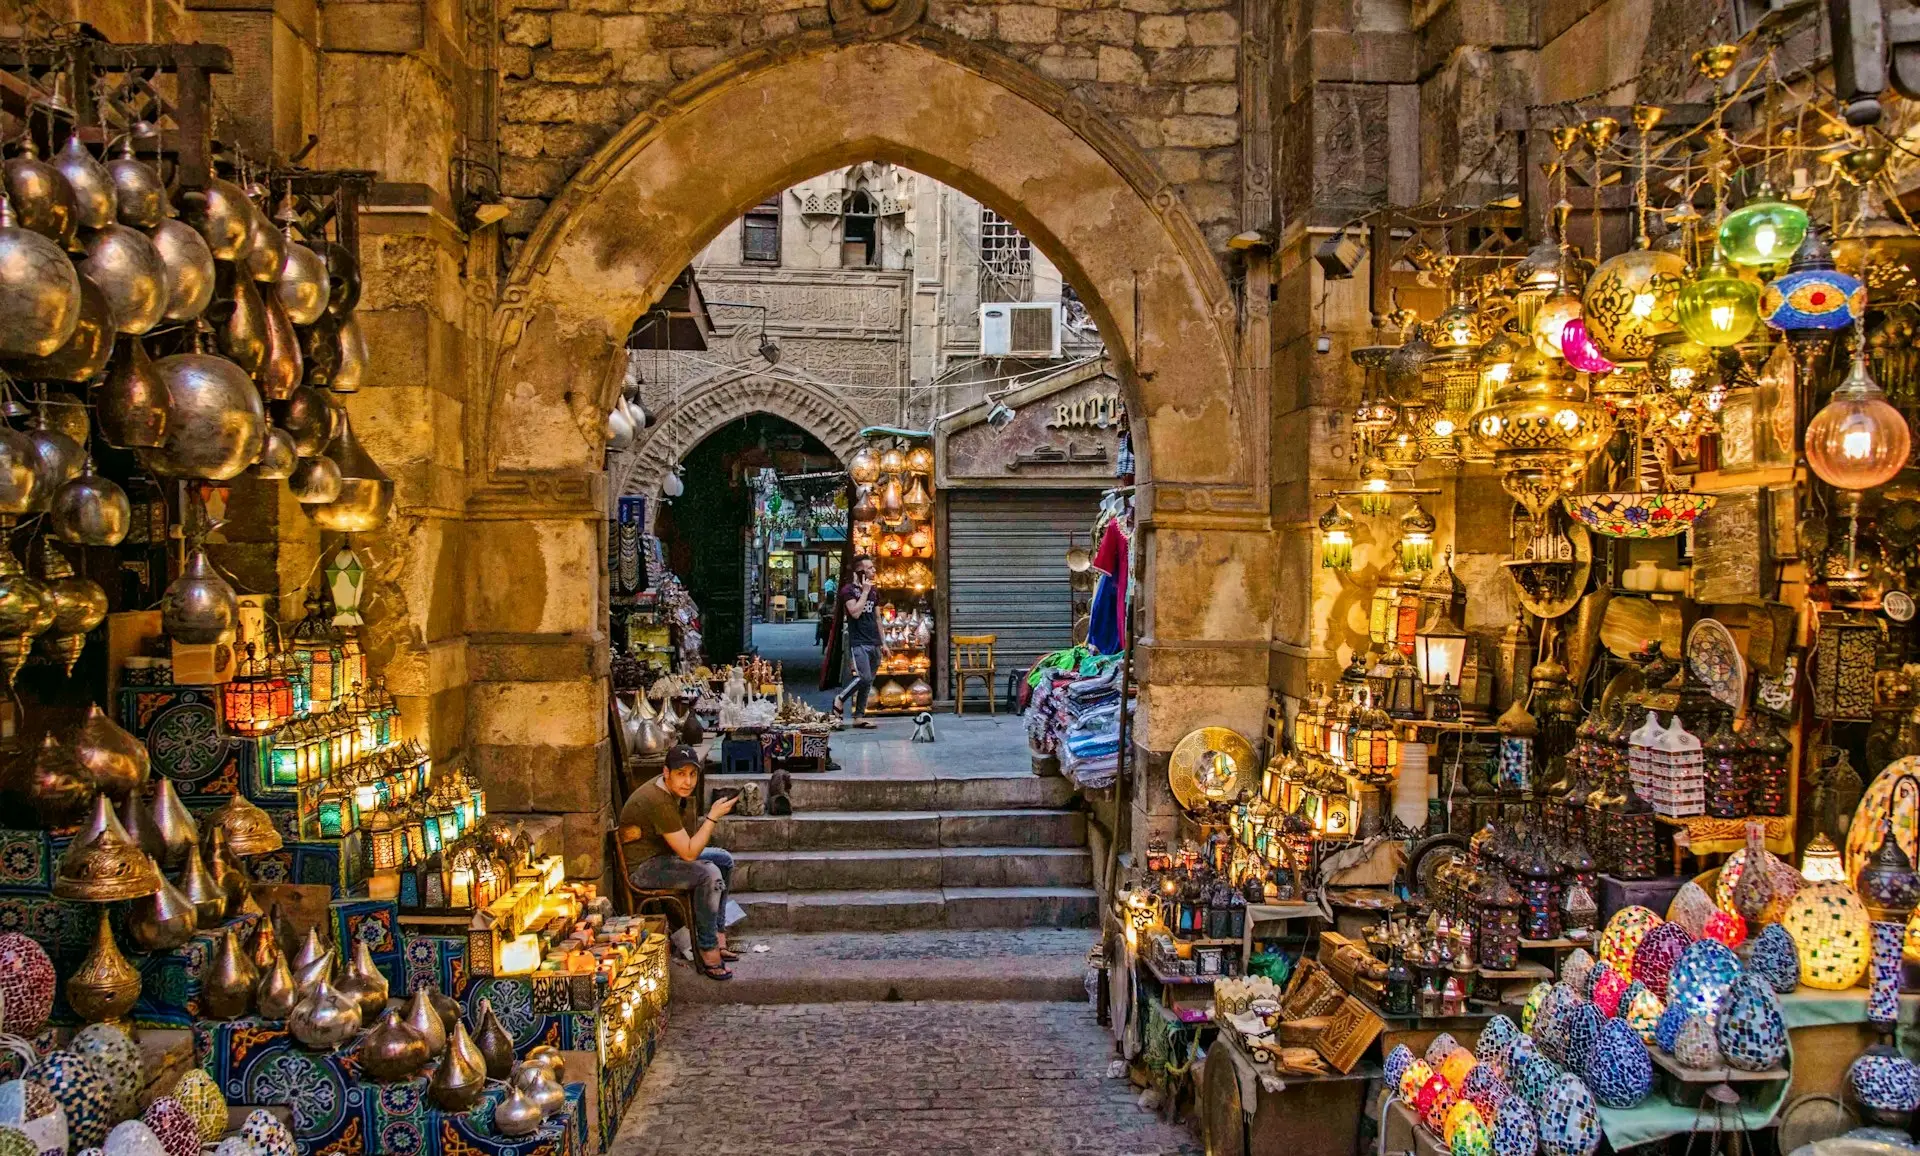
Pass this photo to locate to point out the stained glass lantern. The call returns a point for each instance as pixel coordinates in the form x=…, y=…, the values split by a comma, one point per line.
x=1728, y=790
x=1831, y=928
x=430, y=831
x=1541, y=917
x=1336, y=538
x=354, y=661
x=335, y=813
x=1416, y=539
x=316, y=648
x=1764, y=233
x=346, y=581
x=246, y=701
x=1579, y=912
x=1631, y=299
x=1497, y=924
x=1812, y=294
x=1821, y=862
x=1767, y=755
x=1630, y=830
x=1720, y=308
x=283, y=759
x=449, y=826
x=1576, y=345
x=416, y=838
x=1844, y=662
x=1376, y=487
x=385, y=842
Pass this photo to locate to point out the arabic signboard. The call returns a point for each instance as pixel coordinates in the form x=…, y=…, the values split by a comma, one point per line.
x=1068, y=434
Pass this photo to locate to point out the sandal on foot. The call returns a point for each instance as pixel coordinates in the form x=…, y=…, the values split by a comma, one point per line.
x=716, y=973
x=728, y=955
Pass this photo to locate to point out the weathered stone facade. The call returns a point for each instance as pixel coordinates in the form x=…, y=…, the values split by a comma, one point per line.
x=1131, y=139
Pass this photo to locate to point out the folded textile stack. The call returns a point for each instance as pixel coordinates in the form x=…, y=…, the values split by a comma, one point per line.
x=1075, y=713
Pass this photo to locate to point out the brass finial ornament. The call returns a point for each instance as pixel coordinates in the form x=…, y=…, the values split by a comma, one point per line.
x=461, y=1077
x=226, y=990
x=104, y=865
x=1647, y=117
x=1716, y=60
x=163, y=920
x=203, y=891
x=106, y=986
x=1600, y=132
x=275, y=994
x=391, y=1049
x=178, y=831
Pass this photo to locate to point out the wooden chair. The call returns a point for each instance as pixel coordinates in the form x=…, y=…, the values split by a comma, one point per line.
x=673, y=899
x=973, y=658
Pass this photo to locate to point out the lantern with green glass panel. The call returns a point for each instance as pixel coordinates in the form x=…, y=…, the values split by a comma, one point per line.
x=1719, y=308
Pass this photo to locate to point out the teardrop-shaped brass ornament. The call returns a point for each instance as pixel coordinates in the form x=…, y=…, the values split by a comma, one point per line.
x=308, y=976
x=203, y=891
x=516, y=1115
x=102, y=865
x=495, y=1045
x=537, y=1081
x=161, y=921
x=282, y=369
x=263, y=946
x=309, y=953
x=105, y=986
x=361, y=980
x=462, y=1075
x=421, y=1015
x=178, y=830
x=275, y=994
x=324, y=1018
x=132, y=402
x=391, y=1049
x=239, y=319
x=226, y=987
x=137, y=818
x=231, y=873
x=116, y=760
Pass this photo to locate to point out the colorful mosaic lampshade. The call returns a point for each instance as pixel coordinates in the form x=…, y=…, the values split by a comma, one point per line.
x=1830, y=926
x=1812, y=294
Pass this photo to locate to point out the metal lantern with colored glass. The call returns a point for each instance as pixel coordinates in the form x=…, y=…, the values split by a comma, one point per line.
x=1764, y=233
x=1631, y=299
x=1336, y=538
x=1416, y=539
x=1440, y=648
x=1497, y=924
x=1720, y=307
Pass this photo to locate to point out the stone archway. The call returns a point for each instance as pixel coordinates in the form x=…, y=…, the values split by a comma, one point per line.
x=714, y=404
x=688, y=166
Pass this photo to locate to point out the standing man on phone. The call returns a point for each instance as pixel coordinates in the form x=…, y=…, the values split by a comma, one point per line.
x=664, y=838
x=863, y=641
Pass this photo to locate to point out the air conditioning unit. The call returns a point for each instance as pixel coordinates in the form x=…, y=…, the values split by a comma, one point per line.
x=1020, y=329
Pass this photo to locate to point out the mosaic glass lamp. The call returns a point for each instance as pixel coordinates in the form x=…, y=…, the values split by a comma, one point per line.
x=1812, y=294
x=1831, y=928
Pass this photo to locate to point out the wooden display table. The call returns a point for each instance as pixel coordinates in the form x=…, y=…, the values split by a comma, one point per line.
x=1249, y=1111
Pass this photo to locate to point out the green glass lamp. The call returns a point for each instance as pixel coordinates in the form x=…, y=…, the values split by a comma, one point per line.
x=1720, y=307
x=1336, y=541
x=1764, y=232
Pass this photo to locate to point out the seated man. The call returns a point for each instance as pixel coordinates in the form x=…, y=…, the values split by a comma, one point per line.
x=665, y=839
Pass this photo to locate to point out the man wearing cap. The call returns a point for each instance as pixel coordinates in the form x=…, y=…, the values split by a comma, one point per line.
x=665, y=840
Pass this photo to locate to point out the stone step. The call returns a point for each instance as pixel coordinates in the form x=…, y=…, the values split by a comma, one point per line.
x=912, y=867
x=1031, y=963
x=893, y=909
x=973, y=792
x=880, y=830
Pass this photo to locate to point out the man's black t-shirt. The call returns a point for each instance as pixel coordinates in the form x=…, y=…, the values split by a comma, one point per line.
x=863, y=630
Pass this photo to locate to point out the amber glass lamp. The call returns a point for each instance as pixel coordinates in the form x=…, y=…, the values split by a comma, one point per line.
x=1857, y=441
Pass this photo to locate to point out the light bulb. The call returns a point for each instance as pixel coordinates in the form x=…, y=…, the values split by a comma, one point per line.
x=1857, y=441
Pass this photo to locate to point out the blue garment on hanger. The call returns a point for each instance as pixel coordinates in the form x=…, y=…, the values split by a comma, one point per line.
x=1103, y=631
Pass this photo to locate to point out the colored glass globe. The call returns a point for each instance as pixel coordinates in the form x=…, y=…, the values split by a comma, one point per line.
x=1857, y=441
x=1720, y=308
x=1764, y=232
x=1632, y=299
x=1550, y=322
x=1576, y=345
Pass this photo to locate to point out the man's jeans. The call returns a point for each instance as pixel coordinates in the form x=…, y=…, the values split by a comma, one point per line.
x=866, y=660
x=706, y=877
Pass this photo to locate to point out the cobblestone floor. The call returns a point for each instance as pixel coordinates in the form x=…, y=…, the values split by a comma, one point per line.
x=912, y=1079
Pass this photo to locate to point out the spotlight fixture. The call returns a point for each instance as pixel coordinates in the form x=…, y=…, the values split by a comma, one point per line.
x=999, y=415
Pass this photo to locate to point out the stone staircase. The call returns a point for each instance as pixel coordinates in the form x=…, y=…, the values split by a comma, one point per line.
x=938, y=851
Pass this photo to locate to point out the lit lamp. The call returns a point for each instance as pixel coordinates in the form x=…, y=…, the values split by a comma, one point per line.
x=1857, y=441
x=1890, y=890
x=1440, y=648
x=430, y=832
x=1720, y=308
x=1550, y=323
x=386, y=840
x=1416, y=539
x=1821, y=863
x=335, y=813
x=1632, y=298
x=283, y=759
x=1376, y=488
x=1763, y=233
x=1336, y=538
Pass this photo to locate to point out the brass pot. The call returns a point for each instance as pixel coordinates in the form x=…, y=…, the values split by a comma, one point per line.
x=277, y=456
x=360, y=979
x=57, y=459
x=42, y=197
x=88, y=346
x=161, y=921
x=132, y=402
x=516, y=1115
x=309, y=417
x=221, y=213
x=550, y=1056
x=275, y=995
x=178, y=831
x=190, y=272
x=306, y=976
x=139, y=195
x=447, y=1007
x=106, y=986
x=538, y=1083
x=421, y=1015
x=90, y=510
x=239, y=320
x=215, y=423
x=366, y=492
x=343, y=276
x=283, y=369
x=324, y=1018
x=391, y=1050
x=54, y=782
x=352, y=344
x=199, y=607
x=314, y=480
x=127, y=267
x=303, y=286
x=103, y=865
x=495, y=1045
x=462, y=1075
x=311, y=952
x=115, y=759
x=39, y=291
x=203, y=891
x=266, y=248
x=320, y=350
x=92, y=185
x=250, y=831
x=226, y=986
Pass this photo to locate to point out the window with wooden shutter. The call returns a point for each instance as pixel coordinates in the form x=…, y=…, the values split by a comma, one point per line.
x=760, y=233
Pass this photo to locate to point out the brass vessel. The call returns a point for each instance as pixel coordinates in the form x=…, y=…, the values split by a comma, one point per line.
x=391, y=1050
x=106, y=986
x=315, y=480
x=423, y=1018
x=302, y=286
x=199, y=606
x=163, y=920
x=283, y=368
x=39, y=290
x=307, y=976
x=324, y=1018
x=309, y=953
x=343, y=277
x=266, y=250
x=363, y=980
x=132, y=402
x=139, y=195
x=366, y=492
x=275, y=995
x=516, y=1115
x=263, y=946
x=226, y=987
x=89, y=343
x=250, y=831
x=203, y=891
x=239, y=320
x=352, y=343
x=190, y=271
x=495, y=1045
x=222, y=214
x=550, y=1056
x=537, y=1081
x=462, y=1075
x=226, y=868
x=178, y=830
x=215, y=420
x=41, y=196
x=90, y=510
x=127, y=267
x=53, y=781
x=116, y=761
x=92, y=185
x=320, y=350
x=137, y=818
x=102, y=865
x=308, y=417
x=278, y=457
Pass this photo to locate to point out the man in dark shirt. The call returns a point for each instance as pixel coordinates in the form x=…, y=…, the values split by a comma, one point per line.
x=665, y=840
x=863, y=640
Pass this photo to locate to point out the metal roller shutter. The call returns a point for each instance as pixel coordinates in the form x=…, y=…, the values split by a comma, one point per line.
x=1007, y=569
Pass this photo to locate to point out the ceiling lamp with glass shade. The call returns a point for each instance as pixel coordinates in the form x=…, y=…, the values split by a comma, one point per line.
x=1858, y=441
x=1336, y=538
x=1764, y=233
x=1450, y=376
x=1720, y=307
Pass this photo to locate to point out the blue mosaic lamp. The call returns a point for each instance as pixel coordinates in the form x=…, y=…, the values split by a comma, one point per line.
x=1812, y=293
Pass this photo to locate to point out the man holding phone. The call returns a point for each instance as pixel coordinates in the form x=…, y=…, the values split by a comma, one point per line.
x=863, y=641
x=665, y=840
